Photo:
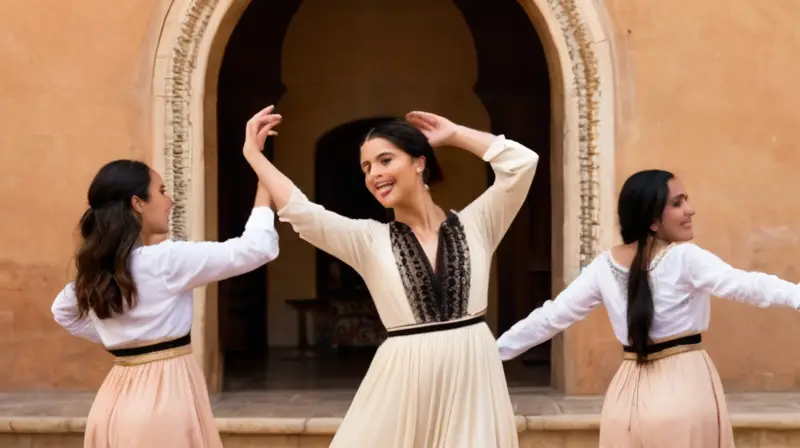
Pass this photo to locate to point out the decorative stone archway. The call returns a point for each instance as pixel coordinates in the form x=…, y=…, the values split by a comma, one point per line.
x=577, y=43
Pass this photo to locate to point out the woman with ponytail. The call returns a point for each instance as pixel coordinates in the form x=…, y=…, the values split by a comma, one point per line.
x=656, y=288
x=133, y=293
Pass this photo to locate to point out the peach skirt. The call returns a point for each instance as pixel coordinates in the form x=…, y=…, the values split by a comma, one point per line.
x=160, y=403
x=673, y=402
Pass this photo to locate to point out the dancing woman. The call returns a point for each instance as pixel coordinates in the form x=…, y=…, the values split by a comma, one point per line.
x=437, y=381
x=133, y=294
x=656, y=288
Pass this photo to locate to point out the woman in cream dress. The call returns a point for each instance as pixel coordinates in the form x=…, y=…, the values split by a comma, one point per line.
x=437, y=381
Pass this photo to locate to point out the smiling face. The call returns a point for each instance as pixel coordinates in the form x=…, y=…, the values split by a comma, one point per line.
x=390, y=173
x=675, y=224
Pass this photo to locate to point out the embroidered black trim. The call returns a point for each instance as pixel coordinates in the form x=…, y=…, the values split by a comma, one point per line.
x=435, y=295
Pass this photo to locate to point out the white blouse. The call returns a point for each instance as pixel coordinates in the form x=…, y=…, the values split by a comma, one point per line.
x=165, y=275
x=682, y=278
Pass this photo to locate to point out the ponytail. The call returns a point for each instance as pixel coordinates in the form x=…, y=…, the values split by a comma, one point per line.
x=640, y=302
x=641, y=204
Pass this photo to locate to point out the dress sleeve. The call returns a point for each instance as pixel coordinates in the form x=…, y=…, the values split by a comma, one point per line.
x=492, y=212
x=574, y=303
x=707, y=272
x=65, y=313
x=189, y=264
x=346, y=239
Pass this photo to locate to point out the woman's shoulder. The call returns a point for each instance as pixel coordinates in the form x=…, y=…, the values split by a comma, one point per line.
x=678, y=252
x=157, y=249
x=149, y=259
x=621, y=256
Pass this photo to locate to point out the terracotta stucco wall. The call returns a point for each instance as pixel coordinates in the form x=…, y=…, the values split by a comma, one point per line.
x=75, y=85
x=709, y=91
x=706, y=89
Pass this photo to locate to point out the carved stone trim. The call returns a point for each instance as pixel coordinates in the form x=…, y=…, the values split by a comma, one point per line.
x=178, y=145
x=587, y=86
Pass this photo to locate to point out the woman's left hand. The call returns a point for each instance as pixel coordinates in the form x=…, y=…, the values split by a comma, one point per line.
x=439, y=130
x=259, y=128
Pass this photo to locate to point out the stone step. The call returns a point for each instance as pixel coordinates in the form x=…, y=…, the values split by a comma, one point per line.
x=309, y=418
x=554, y=431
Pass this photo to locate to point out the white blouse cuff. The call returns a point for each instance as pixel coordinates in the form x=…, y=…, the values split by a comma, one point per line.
x=293, y=206
x=497, y=146
x=261, y=217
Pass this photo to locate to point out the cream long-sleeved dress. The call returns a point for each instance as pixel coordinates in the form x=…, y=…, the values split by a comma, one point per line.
x=441, y=388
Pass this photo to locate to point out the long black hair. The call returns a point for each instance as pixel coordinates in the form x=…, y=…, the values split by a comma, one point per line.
x=413, y=142
x=109, y=231
x=641, y=203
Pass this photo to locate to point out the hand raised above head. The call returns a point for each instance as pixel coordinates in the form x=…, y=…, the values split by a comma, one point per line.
x=260, y=127
x=439, y=130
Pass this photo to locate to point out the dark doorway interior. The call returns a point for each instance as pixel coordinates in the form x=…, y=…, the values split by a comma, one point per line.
x=247, y=83
x=514, y=85
x=350, y=324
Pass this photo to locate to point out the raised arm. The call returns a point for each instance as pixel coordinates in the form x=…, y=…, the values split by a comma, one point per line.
x=344, y=238
x=707, y=272
x=188, y=264
x=514, y=167
x=574, y=303
x=65, y=313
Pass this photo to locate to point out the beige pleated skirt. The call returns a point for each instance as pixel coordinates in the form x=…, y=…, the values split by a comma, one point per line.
x=676, y=401
x=444, y=389
x=157, y=400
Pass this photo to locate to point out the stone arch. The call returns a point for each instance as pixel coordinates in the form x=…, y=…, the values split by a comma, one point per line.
x=577, y=44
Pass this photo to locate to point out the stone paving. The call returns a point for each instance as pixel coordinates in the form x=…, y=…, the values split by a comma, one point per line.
x=333, y=403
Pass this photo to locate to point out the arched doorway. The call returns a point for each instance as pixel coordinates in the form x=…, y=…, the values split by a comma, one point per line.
x=190, y=49
x=245, y=83
x=496, y=81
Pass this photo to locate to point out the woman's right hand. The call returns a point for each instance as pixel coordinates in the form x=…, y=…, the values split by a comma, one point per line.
x=439, y=130
x=259, y=128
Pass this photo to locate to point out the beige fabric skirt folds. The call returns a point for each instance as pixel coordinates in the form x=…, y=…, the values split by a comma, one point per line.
x=443, y=389
x=672, y=401
x=154, y=400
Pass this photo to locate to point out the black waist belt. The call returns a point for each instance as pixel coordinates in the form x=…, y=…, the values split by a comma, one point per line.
x=161, y=346
x=440, y=327
x=661, y=346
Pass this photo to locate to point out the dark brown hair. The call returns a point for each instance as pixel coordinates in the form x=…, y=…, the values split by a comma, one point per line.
x=413, y=142
x=641, y=203
x=109, y=231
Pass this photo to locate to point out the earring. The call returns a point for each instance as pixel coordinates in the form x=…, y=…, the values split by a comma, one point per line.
x=419, y=170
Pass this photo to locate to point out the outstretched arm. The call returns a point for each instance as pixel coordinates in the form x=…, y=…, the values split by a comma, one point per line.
x=189, y=264
x=344, y=238
x=707, y=272
x=513, y=164
x=572, y=305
